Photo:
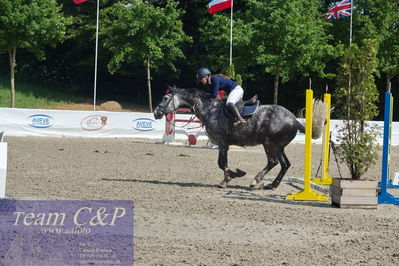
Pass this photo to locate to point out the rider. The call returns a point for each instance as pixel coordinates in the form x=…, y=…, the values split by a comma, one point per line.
x=234, y=91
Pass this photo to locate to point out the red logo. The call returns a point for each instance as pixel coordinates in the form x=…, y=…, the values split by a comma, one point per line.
x=94, y=122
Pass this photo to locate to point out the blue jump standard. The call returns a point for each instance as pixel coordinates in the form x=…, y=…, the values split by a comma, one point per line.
x=386, y=166
x=384, y=197
x=389, y=185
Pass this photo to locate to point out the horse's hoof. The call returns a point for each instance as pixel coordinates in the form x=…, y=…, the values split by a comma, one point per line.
x=269, y=187
x=240, y=173
x=223, y=184
x=254, y=186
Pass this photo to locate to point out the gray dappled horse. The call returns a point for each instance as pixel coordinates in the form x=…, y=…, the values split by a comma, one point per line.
x=273, y=126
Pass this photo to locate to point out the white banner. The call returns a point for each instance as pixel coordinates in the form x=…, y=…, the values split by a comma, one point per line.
x=61, y=123
x=3, y=169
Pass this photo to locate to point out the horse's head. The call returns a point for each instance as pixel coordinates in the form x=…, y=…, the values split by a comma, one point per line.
x=170, y=102
x=178, y=98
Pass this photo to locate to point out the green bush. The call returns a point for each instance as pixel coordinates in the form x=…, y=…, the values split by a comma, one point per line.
x=357, y=101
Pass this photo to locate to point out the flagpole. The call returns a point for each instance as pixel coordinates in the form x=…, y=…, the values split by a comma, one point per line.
x=350, y=27
x=350, y=43
x=231, y=32
x=96, y=56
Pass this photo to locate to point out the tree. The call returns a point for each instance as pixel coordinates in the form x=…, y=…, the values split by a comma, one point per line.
x=377, y=20
x=215, y=39
x=29, y=24
x=232, y=74
x=357, y=103
x=389, y=56
x=289, y=38
x=384, y=15
x=142, y=32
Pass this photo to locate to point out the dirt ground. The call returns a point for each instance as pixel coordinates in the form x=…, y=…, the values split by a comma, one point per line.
x=182, y=218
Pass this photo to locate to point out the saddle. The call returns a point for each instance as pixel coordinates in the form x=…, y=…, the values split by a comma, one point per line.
x=247, y=108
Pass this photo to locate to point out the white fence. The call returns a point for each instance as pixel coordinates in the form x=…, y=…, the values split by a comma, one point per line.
x=63, y=123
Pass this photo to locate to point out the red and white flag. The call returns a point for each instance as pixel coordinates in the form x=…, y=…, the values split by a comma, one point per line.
x=217, y=5
x=77, y=2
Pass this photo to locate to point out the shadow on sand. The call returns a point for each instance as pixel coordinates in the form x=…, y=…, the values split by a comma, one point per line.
x=180, y=184
x=235, y=192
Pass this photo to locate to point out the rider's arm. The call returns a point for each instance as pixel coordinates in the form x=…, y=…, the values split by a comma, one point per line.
x=215, y=84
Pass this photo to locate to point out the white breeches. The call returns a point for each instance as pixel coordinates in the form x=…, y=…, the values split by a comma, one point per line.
x=235, y=95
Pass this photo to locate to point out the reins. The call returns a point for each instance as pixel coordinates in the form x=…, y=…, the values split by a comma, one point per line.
x=214, y=105
x=189, y=121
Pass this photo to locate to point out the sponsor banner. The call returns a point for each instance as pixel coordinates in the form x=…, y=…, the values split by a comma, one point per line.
x=144, y=124
x=61, y=123
x=66, y=232
x=64, y=123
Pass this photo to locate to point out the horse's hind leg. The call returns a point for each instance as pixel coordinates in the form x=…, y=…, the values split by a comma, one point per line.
x=285, y=164
x=272, y=161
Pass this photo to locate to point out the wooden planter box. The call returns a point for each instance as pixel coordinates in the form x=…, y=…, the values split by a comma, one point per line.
x=350, y=193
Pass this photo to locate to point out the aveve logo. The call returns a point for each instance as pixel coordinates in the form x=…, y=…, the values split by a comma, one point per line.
x=94, y=122
x=40, y=121
x=144, y=124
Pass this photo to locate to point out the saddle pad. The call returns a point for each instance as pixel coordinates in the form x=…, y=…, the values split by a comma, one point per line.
x=248, y=110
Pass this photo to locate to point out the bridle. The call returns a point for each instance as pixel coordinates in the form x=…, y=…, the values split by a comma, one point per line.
x=163, y=106
x=171, y=97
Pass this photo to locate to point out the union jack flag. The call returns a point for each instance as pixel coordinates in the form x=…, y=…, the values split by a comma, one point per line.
x=342, y=9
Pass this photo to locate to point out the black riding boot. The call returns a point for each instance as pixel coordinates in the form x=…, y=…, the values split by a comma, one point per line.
x=234, y=110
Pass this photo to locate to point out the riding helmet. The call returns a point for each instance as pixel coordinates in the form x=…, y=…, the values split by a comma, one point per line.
x=202, y=72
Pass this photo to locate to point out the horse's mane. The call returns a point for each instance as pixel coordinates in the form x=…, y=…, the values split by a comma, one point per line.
x=193, y=91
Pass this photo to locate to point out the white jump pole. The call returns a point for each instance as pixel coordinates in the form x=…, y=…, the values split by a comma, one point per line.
x=3, y=166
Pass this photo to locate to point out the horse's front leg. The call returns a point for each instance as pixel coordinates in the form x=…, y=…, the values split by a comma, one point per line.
x=222, y=162
x=228, y=174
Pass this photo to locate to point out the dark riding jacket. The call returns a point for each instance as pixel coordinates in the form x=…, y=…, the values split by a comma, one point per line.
x=220, y=83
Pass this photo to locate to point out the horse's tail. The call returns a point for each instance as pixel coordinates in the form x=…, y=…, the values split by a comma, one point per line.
x=318, y=119
x=301, y=127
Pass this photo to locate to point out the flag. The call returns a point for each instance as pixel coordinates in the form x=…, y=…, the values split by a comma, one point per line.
x=77, y=2
x=217, y=5
x=342, y=9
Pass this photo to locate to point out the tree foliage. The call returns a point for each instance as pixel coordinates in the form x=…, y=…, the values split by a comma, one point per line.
x=215, y=39
x=289, y=38
x=277, y=44
x=29, y=24
x=139, y=31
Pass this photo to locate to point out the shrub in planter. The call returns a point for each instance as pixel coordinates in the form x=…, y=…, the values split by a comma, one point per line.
x=357, y=100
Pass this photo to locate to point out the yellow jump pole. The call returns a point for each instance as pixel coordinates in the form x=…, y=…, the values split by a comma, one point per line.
x=325, y=178
x=307, y=193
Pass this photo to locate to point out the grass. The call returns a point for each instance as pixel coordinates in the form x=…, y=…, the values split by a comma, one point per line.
x=34, y=95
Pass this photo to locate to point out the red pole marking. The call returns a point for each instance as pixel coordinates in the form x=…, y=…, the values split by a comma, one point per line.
x=184, y=110
x=170, y=119
x=168, y=127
